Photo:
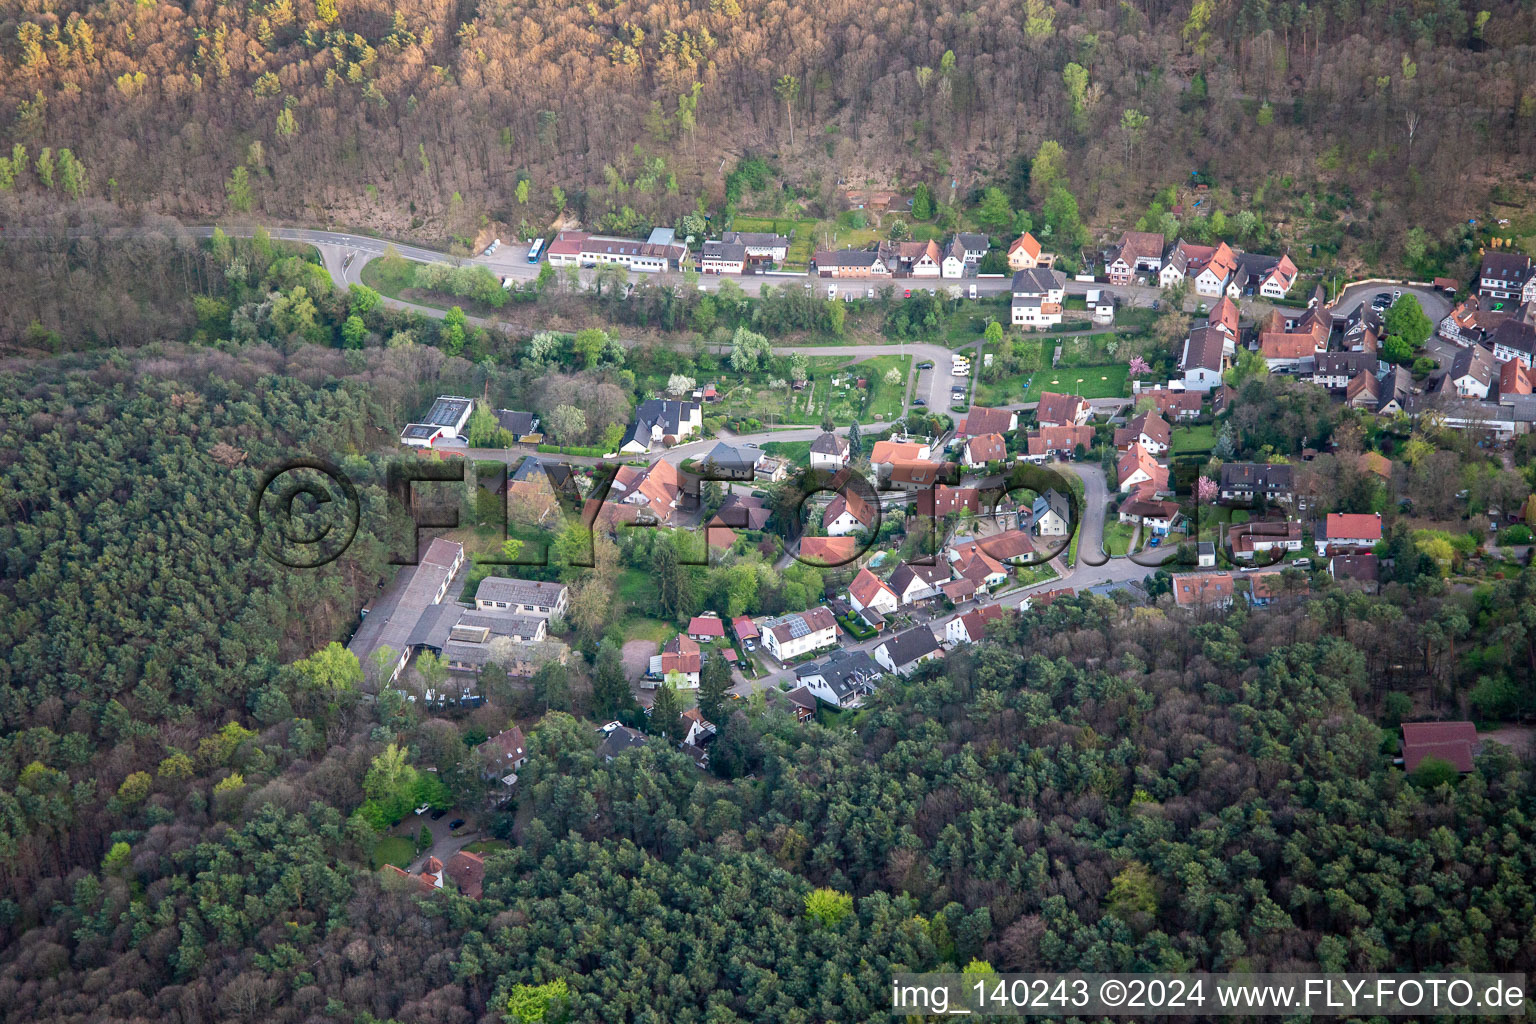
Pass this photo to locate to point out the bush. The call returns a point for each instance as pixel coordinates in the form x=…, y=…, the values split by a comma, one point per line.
x=1517, y=534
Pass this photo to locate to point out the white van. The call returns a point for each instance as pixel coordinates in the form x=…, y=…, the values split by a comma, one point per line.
x=973, y=291
x=831, y=291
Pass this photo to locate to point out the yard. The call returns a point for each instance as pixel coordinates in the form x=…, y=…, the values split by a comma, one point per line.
x=1087, y=381
x=797, y=452
x=396, y=850
x=754, y=398
x=1117, y=536
x=1194, y=439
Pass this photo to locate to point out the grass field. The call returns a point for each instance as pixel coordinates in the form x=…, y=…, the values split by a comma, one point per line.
x=396, y=850
x=1117, y=536
x=802, y=234
x=488, y=846
x=401, y=285
x=797, y=452
x=1088, y=381
x=754, y=398
x=1200, y=438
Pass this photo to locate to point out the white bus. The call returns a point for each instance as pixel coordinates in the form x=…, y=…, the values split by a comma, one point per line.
x=535, y=250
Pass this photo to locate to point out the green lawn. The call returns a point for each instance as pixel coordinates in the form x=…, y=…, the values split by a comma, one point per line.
x=797, y=452
x=1030, y=575
x=1117, y=535
x=402, y=285
x=1088, y=381
x=1200, y=438
x=802, y=234
x=396, y=850
x=488, y=846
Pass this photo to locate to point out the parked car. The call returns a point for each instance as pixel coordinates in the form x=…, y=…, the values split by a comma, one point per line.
x=1302, y=563
x=869, y=293
x=919, y=401
x=423, y=809
x=437, y=815
x=1157, y=304
x=456, y=823
x=831, y=291
x=973, y=291
x=1397, y=293
x=906, y=293
x=925, y=366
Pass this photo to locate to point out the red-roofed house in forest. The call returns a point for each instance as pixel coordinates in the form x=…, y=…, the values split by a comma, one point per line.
x=706, y=628
x=1455, y=743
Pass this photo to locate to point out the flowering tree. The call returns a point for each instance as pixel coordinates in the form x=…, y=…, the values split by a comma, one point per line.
x=1205, y=491
x=1139, y=367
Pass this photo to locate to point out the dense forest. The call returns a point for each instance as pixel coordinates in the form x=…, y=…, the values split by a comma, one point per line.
x=624, y=114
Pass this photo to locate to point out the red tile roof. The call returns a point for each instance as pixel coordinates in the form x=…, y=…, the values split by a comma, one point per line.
x=1060, y=439
x=866, y=587
x=829, y=550
x=1351, y=526
x=706, y=625
x=1027, y=242
x=1204, y=588
x=1060, y=410
x=1454, y=742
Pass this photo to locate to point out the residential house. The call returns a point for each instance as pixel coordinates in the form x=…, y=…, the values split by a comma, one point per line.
x=706, y=628
x=1263, y=537
x=850, y=263
x=1265, y=587
x=971, y=563
x=620, y=741
x=1393, y=390
x=1023, y=252
x=981, y=420
x=1514, y=378
x=1455, y=743
x=984, y=448
x=914, y=583
x=1514, y=339
x=760, y=246
x=1472, y=373
x=1363, y=570
x=654, y=491
x=842, y=680
x=524, y=426
x=505, y=752
x=580, y=249
x=679, y=662
x=1206, y=355
x=1138, y=252
x=790, y=636
x=742, y=512
x=1101, y=305
x=1334, y=370
x=1051, y=514
x=1257, y=274
x=419, y=605
x=1149, y=430
x=722, y=258
x=829, y=452
x=1210, y=268
x=534, y=598
x=1203, y=590
x=888, y=453
x=848, y=512
x=828, y=552
x=1297, y=348
x=917, y=476
x=1219, y=272
x=1057, y=410
x=467, y=872
x=802, y=703
x=700, y=729
x=912, y=259
x=1205, y=554
x=1174, y=404
x=971, y=627
x=1224, y=317
x=1472, y=320
x=1137, y=467
x=1037, y=297
x=1343, y=532
x=1246, y=483
x=1058, y=442
x=1012, y=546
x=942, y=500
x=727, y=462
x=974, y=245
x=953, y=265
x=444, y=422
x=869, y=591
x=959, y=590
x=1155, y=516
x=1503, y=274
x=661, y=421
x=907, y=650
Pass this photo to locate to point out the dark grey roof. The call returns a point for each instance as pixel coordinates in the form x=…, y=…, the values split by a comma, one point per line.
x=1257, y=476
x=519, y=423
x=931, y=575
x=847, y=258
x=1056, y=502
x=1472, y=362
x=974, y=242
x=534, y=592
x=664, y=412
x=1206, y=348
x=1505, y=266
x=447, y=411
x=730, y=252
x=843, y=670
x=830, y=444
x=434, y=625
x=535, y=469
x=1514, y=334
x=1347, y=364
x=757, y=239
x=737, y=463
x=1038, y=281
x=621, y=739
x=909, y=645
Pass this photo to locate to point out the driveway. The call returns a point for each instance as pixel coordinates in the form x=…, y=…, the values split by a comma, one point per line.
x=444, y=845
